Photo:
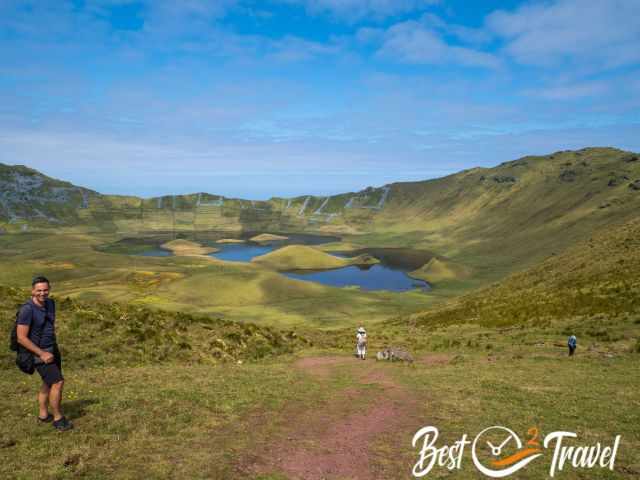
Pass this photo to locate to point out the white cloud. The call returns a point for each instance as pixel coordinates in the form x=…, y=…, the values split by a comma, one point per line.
x=600, y=33
x=415, y=42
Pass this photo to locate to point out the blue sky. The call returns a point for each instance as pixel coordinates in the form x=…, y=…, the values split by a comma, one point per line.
x=287, y=97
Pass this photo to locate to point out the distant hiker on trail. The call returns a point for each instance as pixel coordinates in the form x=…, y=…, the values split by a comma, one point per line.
x=361, y=343
x=35, y=332
x=572, y=343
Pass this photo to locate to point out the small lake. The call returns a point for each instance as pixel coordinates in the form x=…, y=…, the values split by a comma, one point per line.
x=377, y=277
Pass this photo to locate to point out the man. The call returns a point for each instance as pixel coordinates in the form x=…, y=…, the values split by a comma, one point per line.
x=572, y=344
x=36, y=332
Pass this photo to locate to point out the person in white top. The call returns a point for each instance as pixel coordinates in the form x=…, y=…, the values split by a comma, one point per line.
x=361, y=343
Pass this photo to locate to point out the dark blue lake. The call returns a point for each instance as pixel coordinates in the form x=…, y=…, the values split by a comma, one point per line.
x=377, y=277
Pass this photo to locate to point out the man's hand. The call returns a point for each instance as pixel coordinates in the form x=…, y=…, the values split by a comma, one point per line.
x=47, y=357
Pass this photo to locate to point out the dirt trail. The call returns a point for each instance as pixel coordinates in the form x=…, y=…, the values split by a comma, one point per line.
x=351, y=436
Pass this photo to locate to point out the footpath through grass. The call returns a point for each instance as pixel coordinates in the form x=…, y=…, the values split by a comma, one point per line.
x=179, y=420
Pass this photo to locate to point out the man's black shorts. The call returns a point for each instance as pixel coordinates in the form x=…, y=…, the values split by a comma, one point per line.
x=51, y=372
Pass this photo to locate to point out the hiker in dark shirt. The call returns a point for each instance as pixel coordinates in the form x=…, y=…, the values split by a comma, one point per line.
x=36, y=332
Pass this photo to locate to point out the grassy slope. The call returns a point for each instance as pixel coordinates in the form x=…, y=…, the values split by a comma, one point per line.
x=480, y=214
x=597, y=278
x=120, y=334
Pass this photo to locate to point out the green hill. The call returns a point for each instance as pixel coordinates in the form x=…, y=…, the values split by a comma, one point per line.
x=302, y=257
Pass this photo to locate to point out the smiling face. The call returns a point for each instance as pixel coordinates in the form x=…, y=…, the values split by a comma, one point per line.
x=40, y=292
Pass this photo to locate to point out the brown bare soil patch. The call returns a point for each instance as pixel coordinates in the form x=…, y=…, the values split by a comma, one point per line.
x=321, y=366
x=352, y=435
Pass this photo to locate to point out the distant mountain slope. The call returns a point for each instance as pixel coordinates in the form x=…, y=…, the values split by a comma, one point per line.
x=539, y=189
x=29, y=198
x=524, y=194
x=27, y=194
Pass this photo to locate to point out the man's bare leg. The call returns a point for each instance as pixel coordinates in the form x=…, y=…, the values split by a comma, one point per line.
x=55, y=398
x=43, y=397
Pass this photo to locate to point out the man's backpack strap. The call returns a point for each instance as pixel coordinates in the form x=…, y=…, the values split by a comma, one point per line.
x=13, y=344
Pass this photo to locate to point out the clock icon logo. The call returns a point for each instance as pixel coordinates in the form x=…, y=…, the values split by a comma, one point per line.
x=498, y=451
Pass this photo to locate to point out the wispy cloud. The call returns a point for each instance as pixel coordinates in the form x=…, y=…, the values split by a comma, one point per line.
x=416, y=42
x=603, y=34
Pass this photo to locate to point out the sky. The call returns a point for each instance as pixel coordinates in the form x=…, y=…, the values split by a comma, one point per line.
x=255, y=99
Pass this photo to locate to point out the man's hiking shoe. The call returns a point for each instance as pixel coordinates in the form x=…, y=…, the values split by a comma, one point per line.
x=62, y=425
x=47, y=419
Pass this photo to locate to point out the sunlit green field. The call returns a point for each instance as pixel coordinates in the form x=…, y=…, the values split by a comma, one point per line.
x=177, y=420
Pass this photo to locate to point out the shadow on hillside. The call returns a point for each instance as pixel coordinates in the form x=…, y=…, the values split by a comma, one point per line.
x=76, y=408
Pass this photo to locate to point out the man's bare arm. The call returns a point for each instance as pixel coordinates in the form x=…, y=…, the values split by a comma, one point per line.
x=23, y=339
